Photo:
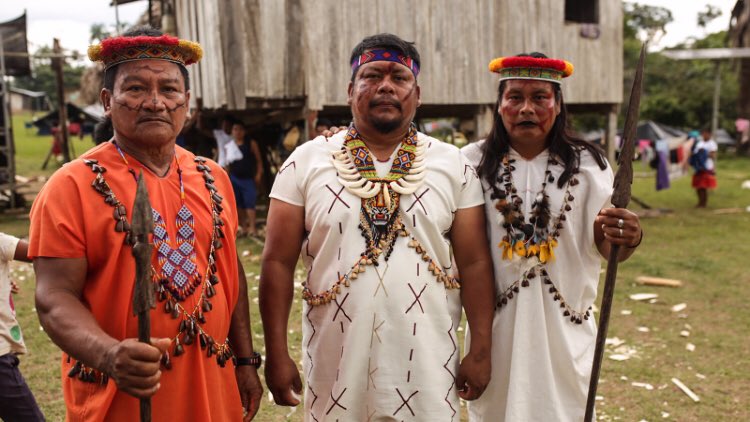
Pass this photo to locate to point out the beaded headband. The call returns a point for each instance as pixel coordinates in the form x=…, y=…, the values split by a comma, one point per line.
x=116, y=50
x=381, y=55
x=524, y=67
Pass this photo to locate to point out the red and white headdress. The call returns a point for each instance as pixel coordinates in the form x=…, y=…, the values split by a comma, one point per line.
x=526, y=67
x=116, y=50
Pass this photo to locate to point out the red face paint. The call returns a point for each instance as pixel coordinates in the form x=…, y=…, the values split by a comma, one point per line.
x=528, y=109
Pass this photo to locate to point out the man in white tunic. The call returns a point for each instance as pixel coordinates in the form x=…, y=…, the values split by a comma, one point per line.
x=549, y=223
x=375, y=212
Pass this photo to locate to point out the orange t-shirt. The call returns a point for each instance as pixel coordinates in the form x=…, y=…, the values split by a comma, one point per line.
x=69, y=219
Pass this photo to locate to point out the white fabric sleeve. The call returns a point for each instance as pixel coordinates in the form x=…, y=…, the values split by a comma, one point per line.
x=8, y=246
x=470, y=194
x=288, y=184
x=232, y=153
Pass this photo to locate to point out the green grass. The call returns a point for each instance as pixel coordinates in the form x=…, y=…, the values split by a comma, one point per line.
x=706, y=250
x=31, y=149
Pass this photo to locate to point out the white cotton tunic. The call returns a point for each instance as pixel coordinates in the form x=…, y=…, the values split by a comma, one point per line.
x=383, y=349
x=541, y=361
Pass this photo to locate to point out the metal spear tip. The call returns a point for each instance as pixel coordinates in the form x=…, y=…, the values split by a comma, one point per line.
x=143, y=220
x=624, y=175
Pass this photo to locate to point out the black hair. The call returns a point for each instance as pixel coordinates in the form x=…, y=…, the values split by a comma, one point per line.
x=103, y=131
x=111, y=73
x=560, y=140
x=324, y=122
x=386, y=41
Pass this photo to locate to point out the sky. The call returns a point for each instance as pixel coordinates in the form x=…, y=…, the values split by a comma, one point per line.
x=70, y=20
x=685, y=14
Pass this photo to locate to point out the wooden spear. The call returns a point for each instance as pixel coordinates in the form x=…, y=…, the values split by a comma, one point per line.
x=143, y=294
x=620, y=199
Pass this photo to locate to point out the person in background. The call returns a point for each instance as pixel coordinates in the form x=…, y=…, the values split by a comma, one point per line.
x=321, y=126
x=703, y=161
x=17, y=403
x=246, y=174
x=223, y=136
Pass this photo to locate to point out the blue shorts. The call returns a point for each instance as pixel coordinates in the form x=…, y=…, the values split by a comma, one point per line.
x=245, y=193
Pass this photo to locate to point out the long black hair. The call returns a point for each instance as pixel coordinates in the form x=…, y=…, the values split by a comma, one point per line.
x=560, y=141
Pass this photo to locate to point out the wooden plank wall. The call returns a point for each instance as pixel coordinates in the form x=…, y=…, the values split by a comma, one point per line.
x=457, y=39
x=279, y=49
x=252, y=49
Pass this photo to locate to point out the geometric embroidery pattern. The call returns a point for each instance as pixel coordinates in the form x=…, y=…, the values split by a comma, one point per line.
x=447, y=362
x=179, y=272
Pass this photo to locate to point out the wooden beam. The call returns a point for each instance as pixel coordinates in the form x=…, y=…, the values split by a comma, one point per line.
x=658, y=281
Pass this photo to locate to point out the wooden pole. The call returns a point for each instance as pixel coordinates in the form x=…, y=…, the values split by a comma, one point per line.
x=57, y=67
x=611, y=134
x=7, y=124
x=717, y=94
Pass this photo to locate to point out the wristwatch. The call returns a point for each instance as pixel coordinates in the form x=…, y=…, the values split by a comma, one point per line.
x=254, y=360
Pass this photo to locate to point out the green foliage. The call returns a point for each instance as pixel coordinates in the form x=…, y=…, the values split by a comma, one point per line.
x=708, y=14
x=645, y=19
x=43, y=77
x=678, y=93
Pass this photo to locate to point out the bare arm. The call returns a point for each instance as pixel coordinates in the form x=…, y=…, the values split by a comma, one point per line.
x=607, y=232
x=258, y=162
x=22, y=251
x=284, y=234
x=239, y=330
x=242, y=344
x=470, y=247
x=132, y=365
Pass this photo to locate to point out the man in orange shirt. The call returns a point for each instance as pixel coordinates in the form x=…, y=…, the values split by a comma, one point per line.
x=200, y=365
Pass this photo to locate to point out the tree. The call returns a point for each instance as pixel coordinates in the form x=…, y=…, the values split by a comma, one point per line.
x=98, y=32
x=43, y=78
x=707, y=15
x=650, y=21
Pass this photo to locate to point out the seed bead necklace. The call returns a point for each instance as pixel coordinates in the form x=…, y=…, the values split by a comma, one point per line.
x=192, y=320
x=380, y=219
x=535, y=240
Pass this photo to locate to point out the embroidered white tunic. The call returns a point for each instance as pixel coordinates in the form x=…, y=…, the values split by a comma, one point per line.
x=386, y=347
x=541, y=361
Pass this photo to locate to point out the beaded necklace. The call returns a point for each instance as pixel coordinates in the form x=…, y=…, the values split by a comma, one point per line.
x=380, y=218
x=532, y=238
x=178, y=267
x=532, y=242
x=192, y=320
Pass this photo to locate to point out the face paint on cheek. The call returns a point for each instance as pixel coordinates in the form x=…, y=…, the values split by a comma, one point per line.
x=546, y=113
x=127, y=106
x=176, y=107
x=508, y=110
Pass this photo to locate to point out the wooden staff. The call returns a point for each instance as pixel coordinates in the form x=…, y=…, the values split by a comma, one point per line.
x=143, y=295
x=620, y=199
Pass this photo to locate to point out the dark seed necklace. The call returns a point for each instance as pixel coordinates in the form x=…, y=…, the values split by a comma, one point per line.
x=191, y=320
x=535, y=239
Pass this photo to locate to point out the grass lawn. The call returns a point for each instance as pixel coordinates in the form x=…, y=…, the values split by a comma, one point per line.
x=704, y=249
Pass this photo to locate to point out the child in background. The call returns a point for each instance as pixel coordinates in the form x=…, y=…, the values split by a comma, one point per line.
x=17, y=403
x=703, y=160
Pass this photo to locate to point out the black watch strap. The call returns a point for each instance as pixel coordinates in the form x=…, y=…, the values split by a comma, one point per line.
x=254, y=360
